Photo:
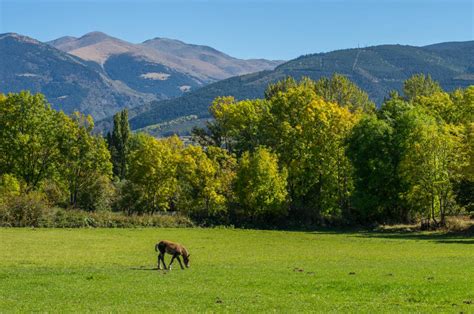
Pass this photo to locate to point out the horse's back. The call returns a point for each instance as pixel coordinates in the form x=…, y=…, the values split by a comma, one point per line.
x=169, y=247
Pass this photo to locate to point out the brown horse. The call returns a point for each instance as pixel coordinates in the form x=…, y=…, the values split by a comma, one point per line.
x=174, y=249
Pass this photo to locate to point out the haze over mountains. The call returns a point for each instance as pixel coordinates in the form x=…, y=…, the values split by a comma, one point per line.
x=99, y=74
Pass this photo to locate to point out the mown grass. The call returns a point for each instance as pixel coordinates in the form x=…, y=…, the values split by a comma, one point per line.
x=61, y=270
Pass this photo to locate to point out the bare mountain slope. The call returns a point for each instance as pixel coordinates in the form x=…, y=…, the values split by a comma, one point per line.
x=209, y=61
x=166, y=68
x=204, y=63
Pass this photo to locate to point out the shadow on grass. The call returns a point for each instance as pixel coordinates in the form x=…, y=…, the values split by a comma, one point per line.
x=442, y=238
x=433, y=236
x=143, y=268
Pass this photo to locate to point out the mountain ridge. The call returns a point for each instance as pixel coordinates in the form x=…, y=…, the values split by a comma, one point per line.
x=69, y=82
x=198, y=61
x=376, y=69
x=99, y=74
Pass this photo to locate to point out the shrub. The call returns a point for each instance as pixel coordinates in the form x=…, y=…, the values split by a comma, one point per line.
x=55, y=194
x=23, y=210
x=459, y=224
x=30, y=210
x=77, y=219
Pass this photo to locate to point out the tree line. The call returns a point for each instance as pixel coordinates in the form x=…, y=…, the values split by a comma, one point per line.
x=309, y=152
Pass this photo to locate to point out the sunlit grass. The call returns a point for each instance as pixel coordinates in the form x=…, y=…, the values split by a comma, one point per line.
x=61, y=270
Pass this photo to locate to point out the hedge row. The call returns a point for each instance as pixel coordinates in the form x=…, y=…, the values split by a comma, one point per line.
x=32, y=212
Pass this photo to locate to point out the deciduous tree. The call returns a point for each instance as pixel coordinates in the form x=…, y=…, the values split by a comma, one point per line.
x=261, y=185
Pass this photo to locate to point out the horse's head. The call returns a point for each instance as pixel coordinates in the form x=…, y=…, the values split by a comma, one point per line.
x=186, y=260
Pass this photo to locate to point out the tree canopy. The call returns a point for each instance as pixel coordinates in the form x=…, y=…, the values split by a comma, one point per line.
x=307, y=153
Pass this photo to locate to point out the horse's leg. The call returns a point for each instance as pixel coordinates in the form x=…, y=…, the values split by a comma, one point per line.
x=171, y=262
x=159, y=260
x=179, y=260
x=163, y=261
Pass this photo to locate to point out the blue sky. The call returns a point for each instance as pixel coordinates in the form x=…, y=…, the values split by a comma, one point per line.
x=281, y=29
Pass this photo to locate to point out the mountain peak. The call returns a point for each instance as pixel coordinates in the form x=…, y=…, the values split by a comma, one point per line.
x=95, y=37
x=93, y=46
x=164, y=40
x=61, y=41
x=95, y=34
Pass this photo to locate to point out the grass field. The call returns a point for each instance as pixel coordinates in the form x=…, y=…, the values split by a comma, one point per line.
x=59, y=270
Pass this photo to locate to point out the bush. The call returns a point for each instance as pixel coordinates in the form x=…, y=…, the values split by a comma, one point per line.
x=24, y=210
x=77, y=219
x=55, y=194
x=459, y=224
x=30, y=210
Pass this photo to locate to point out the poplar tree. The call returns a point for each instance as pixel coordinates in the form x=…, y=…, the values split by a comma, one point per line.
x=118, y=143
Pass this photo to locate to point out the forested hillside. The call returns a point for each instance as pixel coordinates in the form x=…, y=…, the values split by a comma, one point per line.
x=377, y=70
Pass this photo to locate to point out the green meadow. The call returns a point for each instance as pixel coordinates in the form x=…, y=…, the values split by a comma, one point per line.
x=232, y=270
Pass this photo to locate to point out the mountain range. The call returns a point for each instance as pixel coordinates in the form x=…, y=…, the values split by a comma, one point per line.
x=377, y=70
x=168, y=84
x=99, y=74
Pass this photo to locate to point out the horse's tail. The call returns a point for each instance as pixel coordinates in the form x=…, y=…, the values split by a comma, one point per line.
x=157, y=247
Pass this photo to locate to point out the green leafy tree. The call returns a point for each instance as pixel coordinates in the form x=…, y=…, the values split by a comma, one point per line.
x=439, y=105
x=28, y=138
x=375, y=148
x=340, y=90
x=226, y=165
x=260, y=184
x=375, y=156
x=433, y=160
x=308, y=133
x=9, y=187
x=240, y=122
x=118, y=143
x=210, y=135
x=202, y=186
x=420, y=85
x=151, y=180
x=463, y=100
x=86, y=158
x=280, y=87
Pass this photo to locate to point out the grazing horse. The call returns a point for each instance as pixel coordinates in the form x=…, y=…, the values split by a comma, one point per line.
x=174, y=249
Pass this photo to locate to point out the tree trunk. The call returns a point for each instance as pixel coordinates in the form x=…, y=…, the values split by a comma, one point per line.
x=442, y=215
x=433, y=209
